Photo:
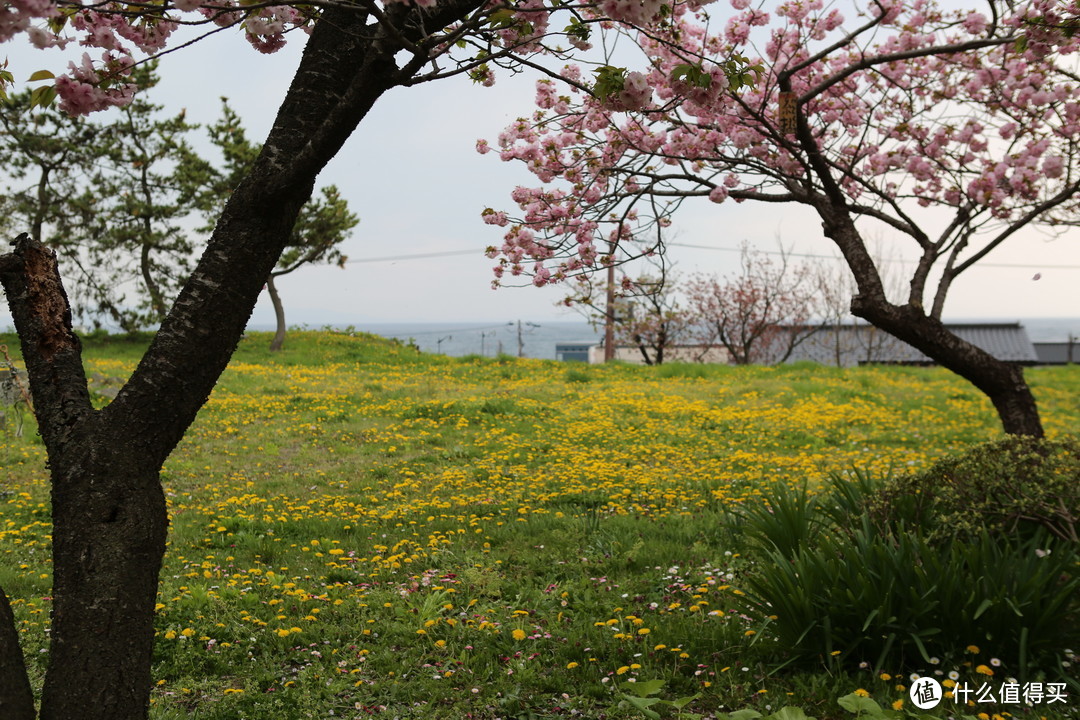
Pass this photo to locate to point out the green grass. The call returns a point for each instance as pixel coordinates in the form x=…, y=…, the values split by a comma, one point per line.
x=357, y=526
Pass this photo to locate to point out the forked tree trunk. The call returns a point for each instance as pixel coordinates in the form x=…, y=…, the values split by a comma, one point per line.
x=108, y=507
x=279, y=315
x=1003, y=382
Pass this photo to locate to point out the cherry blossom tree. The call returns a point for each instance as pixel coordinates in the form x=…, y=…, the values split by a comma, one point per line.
x=647, y=312
x=108, y=506
x=761, y=314
x=954, y=129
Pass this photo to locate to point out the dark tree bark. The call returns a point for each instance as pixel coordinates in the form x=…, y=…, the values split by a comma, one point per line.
x=1001, y=381
x=279, y=315
x=108, y=507
x=16, y=696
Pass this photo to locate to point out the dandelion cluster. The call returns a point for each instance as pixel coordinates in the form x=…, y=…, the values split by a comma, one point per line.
x=357, y=527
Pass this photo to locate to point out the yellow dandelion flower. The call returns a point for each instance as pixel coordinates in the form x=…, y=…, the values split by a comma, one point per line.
x=518, y=634
x=571, y=665
x=623, y=670
x=973, y=648
x=897, y=704
x=862, y=693
x=983, y=670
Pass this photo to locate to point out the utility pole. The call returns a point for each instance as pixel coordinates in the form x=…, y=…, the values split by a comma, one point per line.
x=521, y=341
x=609, y=309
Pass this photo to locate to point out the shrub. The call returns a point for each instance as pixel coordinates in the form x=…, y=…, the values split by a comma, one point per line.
x=1012, y=486
x=840, y=581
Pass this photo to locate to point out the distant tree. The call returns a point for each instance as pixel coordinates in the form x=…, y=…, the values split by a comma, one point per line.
x=834, y=287
x=653, y=321
x=759, y=315
x=323, y=224
x=646, y=312
x=111, y=197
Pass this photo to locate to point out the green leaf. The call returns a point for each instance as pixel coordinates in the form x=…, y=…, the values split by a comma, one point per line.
x=43, y=96
x=744, y=714
x=501, y=18
x=643, y=689
x=692, y=75
x=682, y=702
x=41, y=75
x=609, y=80
x=642, y=705
x=578, y=29
x=860, y=705
x=789, y=713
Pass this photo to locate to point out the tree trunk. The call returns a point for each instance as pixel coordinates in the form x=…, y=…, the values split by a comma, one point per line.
x=1003, y=382
x=109, y=512
x=279, y=315
x=109, y=528
x=16, y=696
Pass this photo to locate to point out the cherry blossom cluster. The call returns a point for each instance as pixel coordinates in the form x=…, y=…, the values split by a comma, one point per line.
x=953, y=110
x=92, y=84
x=16, y=16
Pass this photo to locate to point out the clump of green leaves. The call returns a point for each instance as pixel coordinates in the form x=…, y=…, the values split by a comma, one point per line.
x=610, y=80
x=1014, y=486
x=838, y=585
x=643, y=696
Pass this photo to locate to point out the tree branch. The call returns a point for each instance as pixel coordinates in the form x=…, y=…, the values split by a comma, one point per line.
x=868, y=62
x=1067, y=193
x=52, y=352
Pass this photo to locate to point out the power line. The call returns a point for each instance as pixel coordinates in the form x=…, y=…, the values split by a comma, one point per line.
x=1044, y=266
x=416, y=256
x=449, y=253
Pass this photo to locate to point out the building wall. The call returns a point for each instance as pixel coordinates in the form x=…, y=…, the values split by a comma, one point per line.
x=679, y=353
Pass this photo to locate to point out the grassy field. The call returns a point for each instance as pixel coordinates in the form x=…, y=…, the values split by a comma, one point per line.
x=358, y=529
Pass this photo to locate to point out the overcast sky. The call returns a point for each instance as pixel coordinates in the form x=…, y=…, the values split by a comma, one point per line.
x=411, y=173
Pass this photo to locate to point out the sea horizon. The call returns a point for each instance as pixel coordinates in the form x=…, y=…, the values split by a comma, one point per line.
x=538, y=339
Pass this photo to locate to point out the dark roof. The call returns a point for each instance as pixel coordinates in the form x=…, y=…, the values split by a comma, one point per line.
x=1057, y=353
x=858, y=344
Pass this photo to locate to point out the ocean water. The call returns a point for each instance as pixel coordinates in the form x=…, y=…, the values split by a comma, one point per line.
x=538, y=339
